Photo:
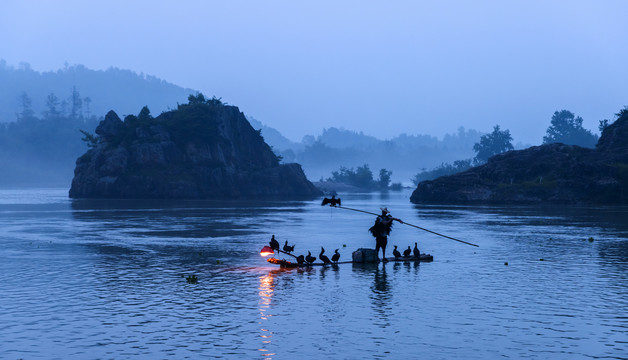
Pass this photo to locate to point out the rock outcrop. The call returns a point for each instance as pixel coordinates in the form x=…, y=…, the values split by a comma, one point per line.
x=551, y=173
x=202, y=150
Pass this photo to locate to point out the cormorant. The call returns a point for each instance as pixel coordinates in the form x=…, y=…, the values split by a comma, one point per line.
x=396, y=253
x=300, y=259
x=335, y=257
x=309, y=258
x=323, y=258
x=407, y=252
x=287, y=248
x=274, y=244
x=332, y=202
x=417, y=253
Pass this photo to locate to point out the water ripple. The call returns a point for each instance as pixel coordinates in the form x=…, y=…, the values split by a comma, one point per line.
x=107, y=280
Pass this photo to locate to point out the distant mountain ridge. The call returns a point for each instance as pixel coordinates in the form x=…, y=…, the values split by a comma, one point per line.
x=273, y=137
x=107, y=89
x=126, y=91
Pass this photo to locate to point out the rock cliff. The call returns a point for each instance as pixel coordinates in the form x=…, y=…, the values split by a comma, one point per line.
x=552, y=173
x=204, y=149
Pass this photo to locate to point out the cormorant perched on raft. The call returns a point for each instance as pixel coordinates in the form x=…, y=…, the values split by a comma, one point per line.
x=323, y=258
x=407, y=252
x=335, y=257
x=274, y=244
x=332, y=202
x=287, y=248
x=300, y=259
x=417, y=253
x=309, y=258
x=396, y=253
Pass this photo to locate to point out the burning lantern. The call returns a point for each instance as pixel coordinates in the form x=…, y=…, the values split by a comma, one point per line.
x=266, y=251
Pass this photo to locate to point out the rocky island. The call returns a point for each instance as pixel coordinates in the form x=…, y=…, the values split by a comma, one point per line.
x=203, y=149
x=550, y=173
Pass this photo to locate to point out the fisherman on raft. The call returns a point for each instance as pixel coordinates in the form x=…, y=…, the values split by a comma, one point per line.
x=381, y=229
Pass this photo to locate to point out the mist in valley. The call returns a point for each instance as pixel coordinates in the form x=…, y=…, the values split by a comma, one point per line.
x=407, y=87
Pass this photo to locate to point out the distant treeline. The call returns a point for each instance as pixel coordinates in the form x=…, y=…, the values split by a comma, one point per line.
x=405, y=154
x=122, y=90
x=565, y=127
x=339, y=148
x=41, y=150
x=42, y=113
x=362, y=178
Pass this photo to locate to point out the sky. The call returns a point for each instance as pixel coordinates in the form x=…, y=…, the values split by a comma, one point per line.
x=381, y=67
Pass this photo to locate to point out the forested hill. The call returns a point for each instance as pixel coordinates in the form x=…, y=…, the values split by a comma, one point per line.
x=100, y=91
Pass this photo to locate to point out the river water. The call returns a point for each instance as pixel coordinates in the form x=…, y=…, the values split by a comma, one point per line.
x=106, y=279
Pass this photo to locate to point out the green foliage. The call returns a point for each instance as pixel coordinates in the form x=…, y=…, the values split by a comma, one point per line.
x=52, y=107
x=193, y=121
x=603, y=124
x=384, y=178
x=43, y=152
x=442, y=170
x=131, y=120
x=27, y=107
x=492, y=144
x=144, y=115
x=567, y=128
x=107, y=88
x=275, y=152
x=76, y=110
x=361, y=177
x=622, y=113
x=199, y=99
x=90, y=139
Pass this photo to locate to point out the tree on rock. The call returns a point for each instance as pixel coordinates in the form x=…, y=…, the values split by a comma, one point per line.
x=497, y=142
x=567, y=128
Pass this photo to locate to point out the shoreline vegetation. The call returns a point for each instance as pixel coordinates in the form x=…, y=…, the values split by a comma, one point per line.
x=554, y=172
x=39, y=148
x=359, y=179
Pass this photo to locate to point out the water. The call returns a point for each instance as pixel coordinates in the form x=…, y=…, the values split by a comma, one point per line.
x=106, y=280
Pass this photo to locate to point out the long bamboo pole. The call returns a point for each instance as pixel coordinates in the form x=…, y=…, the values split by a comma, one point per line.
x=405, y=223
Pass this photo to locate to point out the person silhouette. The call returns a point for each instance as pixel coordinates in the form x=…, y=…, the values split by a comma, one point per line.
x=381, y=229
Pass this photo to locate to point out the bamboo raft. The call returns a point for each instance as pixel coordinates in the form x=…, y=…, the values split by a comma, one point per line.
x=289, y=264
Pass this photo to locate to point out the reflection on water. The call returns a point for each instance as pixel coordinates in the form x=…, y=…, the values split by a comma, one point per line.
x=382, y=296
x=266, y=288
x=106, y=279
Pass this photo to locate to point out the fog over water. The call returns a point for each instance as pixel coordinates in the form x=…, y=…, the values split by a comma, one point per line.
x=382, y=68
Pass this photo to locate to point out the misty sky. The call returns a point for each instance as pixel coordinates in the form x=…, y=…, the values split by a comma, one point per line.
x=383, y=67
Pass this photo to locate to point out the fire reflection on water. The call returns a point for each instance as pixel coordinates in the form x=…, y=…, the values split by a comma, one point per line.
x=266, y=289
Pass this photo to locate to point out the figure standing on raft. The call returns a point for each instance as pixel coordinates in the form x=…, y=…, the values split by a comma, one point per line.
x=381, y=229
